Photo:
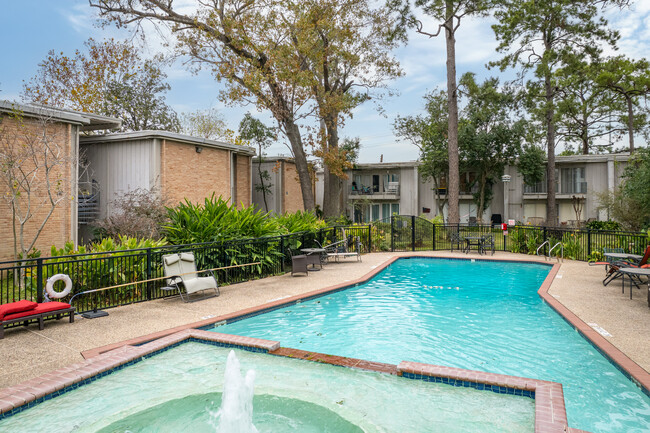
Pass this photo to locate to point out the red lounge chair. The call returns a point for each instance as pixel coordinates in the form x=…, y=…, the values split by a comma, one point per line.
x=24, y=311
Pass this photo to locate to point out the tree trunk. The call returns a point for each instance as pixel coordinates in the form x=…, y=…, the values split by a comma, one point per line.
x=551, y=207
x=481, y=201
x=630, y=123
x=293, y=134
x=453, y=185
x=259, y=172
x=584, y=135
x=332, y=185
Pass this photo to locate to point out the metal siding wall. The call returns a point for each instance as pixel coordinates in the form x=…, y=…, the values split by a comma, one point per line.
x=120, y=168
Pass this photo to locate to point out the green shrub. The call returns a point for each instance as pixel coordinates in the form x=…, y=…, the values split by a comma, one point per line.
x=572, y=246
x=217, y=221
x=300, y=222
x=604, y=225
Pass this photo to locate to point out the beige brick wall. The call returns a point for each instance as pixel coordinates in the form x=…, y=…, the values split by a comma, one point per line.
x=292, y=194
x=14, y=135
x=243, y=180
x=192, y=175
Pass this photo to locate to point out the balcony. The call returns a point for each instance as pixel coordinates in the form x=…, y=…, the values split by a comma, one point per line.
x=390, y=191
x=538, y=191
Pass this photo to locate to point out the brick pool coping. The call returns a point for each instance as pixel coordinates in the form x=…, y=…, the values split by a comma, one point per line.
x=550, y=413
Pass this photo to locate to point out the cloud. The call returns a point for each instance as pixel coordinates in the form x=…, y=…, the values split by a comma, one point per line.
x=80, y=16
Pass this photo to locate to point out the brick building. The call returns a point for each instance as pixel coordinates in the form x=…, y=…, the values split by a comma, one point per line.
x=175, y=165
x=44, y=142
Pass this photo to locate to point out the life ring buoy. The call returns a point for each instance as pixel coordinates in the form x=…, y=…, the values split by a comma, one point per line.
x=49, y=287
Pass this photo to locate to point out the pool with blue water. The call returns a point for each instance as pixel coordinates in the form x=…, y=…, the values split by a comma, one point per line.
x=472, y=314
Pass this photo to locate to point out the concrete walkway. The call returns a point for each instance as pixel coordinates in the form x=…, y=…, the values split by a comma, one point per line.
x=27, y=352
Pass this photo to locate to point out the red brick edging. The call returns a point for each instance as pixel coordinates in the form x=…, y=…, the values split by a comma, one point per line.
x=550, y=414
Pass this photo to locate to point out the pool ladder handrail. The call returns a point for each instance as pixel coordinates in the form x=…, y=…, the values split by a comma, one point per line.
x=546, y=257
x=561, y=257
x=541, y=246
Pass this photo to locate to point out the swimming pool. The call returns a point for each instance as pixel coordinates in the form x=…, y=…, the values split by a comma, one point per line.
x=478, y=315
x=179, y=390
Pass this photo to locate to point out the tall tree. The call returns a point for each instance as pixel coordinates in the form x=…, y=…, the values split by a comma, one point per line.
x=138, y=100
x=208, y=124
x=255, y=131
x=489, y=136
x=429, y=134
x=344, y=44
x=630, y=80
x=80, y=82
x=242, y=42
x=539, y=37
x=109, y=78
x=448, y=13
x=586, y=111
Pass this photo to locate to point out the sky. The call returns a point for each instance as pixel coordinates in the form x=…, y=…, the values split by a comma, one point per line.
x=31, y=28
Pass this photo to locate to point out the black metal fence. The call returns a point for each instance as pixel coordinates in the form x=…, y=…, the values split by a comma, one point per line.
x=26, y=279
x=411, y=233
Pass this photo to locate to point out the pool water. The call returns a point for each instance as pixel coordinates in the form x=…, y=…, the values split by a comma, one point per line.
x=180, y=390
x=478, y=315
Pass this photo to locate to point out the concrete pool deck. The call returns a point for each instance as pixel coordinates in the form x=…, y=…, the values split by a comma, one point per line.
x=26, y=353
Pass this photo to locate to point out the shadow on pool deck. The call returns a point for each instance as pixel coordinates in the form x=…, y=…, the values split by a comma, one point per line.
x=27, y=352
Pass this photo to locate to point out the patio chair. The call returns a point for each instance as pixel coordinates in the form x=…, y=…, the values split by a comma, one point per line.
x=456, y=239
x=614, y=269
x=299, y=263
x=344, y=252
x=182, y=276
x=608, y=261
x=487, y=244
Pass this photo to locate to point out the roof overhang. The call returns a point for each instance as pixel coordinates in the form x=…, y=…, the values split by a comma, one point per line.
x=122, y=137
x=86, y=121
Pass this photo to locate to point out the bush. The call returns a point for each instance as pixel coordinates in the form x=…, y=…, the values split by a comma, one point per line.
x=217, y=221
x=138, y=214
x=300, y=222
x=117, y=268
x=604, y=225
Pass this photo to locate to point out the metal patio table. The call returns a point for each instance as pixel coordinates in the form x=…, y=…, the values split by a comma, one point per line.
x=476, y=241
x=311, y=251
x=637, y=272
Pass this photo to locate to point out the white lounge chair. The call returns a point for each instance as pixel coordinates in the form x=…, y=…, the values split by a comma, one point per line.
x=342, y=250
x=183, y=276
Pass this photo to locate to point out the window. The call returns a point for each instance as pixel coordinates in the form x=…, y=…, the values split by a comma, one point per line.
x=375, y=212
x=375, y=182
x=540, y=187
x=394, y=208
x=573, y=180
x=385, y=210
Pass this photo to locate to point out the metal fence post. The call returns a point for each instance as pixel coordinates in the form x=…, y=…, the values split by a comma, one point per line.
x=588, y=241
x=433, y=237
x=412, y=232
x=392, y=232
x=39, y=280
x=149, y=284
x=369, y=237
x=282, y=251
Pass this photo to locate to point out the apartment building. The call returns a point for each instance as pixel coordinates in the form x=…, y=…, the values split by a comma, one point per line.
x=177, y=166
x=42, y=145
x=376, y=191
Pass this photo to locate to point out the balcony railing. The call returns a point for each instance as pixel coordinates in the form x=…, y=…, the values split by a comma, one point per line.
x=392, y=189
